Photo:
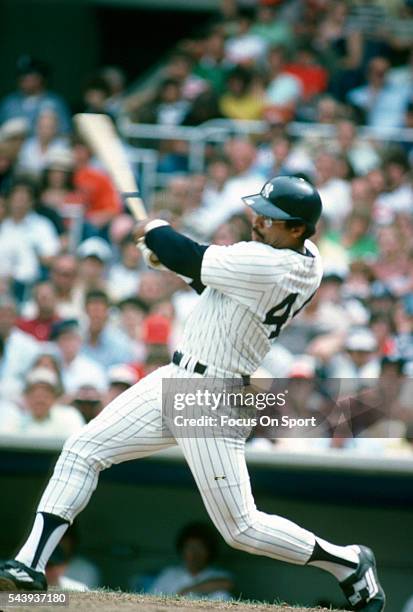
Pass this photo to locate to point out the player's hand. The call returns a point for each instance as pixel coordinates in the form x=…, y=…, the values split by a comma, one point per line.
x=139, y=230
x=139, y=235
x=149, y=256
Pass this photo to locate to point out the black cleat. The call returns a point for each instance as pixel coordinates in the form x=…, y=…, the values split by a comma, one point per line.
x=15, y=576
x=362, y=589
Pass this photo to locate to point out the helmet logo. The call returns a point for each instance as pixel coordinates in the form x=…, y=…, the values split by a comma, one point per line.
x=267, y=190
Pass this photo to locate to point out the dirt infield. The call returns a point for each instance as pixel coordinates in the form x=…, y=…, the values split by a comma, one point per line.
x=117, y=602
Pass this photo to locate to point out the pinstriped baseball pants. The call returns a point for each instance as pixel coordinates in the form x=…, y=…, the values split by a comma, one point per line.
x=131, y=427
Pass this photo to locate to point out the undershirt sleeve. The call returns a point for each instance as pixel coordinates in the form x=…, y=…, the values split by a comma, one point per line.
x=178, y=253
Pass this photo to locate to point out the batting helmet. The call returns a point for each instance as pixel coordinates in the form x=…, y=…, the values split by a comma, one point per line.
x=287, y=198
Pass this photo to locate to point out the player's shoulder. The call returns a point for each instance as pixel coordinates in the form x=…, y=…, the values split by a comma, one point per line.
x=261, y=254
x=270, y=255
x=243, y=254
x=247, y=248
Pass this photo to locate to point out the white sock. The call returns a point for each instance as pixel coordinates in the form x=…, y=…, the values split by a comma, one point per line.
x=341, y=561
x=45, y=535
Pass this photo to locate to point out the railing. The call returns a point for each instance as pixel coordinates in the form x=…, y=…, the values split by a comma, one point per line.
x=145, y=162
x=325, y=461
x=218, y=131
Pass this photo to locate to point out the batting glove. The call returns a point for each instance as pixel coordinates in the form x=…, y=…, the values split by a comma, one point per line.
x=149, y=256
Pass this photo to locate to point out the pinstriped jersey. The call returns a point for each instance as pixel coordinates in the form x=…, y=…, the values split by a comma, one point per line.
x=252, y=291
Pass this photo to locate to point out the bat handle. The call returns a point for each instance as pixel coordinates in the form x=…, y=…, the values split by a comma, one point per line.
x=134, y=202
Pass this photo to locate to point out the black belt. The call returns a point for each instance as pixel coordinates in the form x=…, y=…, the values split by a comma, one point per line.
x=201, y=368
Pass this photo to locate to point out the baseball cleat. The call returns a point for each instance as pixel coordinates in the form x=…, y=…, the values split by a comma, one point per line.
x=15, y=576
x=362, y=589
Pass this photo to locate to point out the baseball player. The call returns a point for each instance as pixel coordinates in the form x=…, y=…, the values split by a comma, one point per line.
x=249, y=292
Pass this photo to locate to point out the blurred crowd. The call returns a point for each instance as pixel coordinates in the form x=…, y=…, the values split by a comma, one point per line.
x=82, y=318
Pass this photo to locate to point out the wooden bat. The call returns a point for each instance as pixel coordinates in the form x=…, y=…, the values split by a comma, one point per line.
x=99, y=133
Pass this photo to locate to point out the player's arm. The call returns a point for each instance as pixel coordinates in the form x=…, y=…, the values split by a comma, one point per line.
x=174, y=250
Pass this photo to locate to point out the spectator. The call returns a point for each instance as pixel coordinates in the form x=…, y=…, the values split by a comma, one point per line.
x=19, y=265
x=312, y=76
x=100, y=198
x=334, y=191
x=399, y=195
x=196, y=577
x=282, y=157
x=96, y=95
x=13, y=134
x=367, y=20
x=225, y=234
x=271, y=27
x=75, y=367
x=56, y=573
x=115, y=80
x=245, y=48
x=42, y=416
x=79, y=567
x=36, y=150
x=379, y=103
x=156, y=328
x=25, y=225
x=330, y=35
x=360, y=153
x=358, y=362
x=392, y=265
x=152, y=287
x=40, y=325
x=50, y=360
x=243, y=99
x=6, y=168
x=213, y=66
x=380, y=299
x=328, y=110
x=383, y=328
x=103, y=343
x=19, y=349
x=355, y=239
x=64, y=278
x=94, y=255
x=204, y=108
x=88, y=400
x=132, y=314
x=57, y=188
x=400, y=32
x=121, y=377
x=375, y=414
x=404, y=330
x=284, y=90
x=180, y=67
x=123, y=277
x=120, y=227
x=245, y=180
x=168, y=106
x=32, y=96
x=218, y=173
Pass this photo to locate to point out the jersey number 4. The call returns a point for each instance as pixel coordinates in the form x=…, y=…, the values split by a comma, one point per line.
x=284, y=308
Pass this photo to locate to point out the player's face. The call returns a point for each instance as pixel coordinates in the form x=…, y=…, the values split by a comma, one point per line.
x=273, y=232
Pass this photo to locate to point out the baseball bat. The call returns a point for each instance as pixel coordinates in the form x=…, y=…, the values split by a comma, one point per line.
x=99, y=133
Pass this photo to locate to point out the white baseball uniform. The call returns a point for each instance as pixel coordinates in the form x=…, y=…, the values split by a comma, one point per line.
x=252, y=291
